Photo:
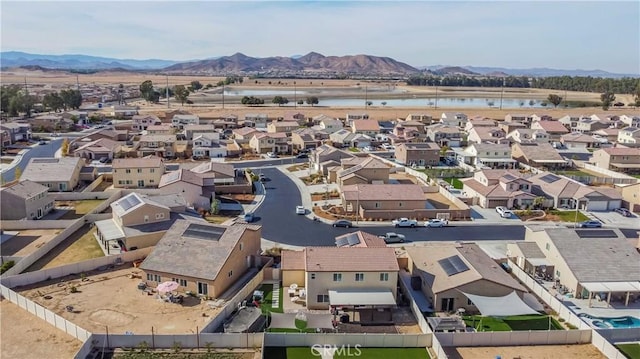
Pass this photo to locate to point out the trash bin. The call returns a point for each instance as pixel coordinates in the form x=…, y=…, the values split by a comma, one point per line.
x=344, y=318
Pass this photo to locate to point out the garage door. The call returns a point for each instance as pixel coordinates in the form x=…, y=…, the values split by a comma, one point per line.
x=495, y=203
x=598, y=206
x=615, y=204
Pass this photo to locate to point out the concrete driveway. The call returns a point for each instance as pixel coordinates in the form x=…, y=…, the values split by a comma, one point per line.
x=479, y=215
x=616, y=219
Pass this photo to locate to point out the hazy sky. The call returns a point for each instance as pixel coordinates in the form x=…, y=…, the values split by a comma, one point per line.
x=566, y=35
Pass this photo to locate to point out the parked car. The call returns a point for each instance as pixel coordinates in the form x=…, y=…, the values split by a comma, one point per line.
x=300, y=210
x=342, y=223
x=42, y=142
x=392, y=237
x=302, y=155
x=623, y=211
x=404, y=222
x=272, y=155
x=436, y=223
x=504, y=212
x=590, y=224
x=248, y=217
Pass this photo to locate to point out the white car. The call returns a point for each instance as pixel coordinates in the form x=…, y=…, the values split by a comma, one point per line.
x=404, y=222
x=272, y=155
x=436, y=223
x=300, y=210
x=504, y=212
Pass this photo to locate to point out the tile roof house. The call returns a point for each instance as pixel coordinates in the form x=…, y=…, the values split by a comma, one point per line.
x=369, y=170
x=630, y=120
x=17, y=131
x=208, y=145
x=97, y=149
x=631, y=197
x=307, y=139
x=327, y=124
x=345, y=138
x=526, y=135
x=244, y=133
x=444, y=135
x=57, y=174
x=447, y=271
x=629, y=137
x=418, y=153
x=588, y=125
x=359, y=239
x=190, y=185
x=365, y=127
x=157, y=145
x=366, y=273
x=626, y=160
x=180, y=120
x=25, y=199
x=203, y=258
x=142, y=122
x=486, y=155
x=137, y=172
x=282, y=126
x=394, y=200
x=326, y=153
x=192, y=131
x=456, y=119
x=582, y=141
x=567, y=193
x=538, y=155
x=269, y=142
x=487, y=135
x=555, y=129
x=218, y=173
x=424, y=118
x=610, y=134
x=493, y=188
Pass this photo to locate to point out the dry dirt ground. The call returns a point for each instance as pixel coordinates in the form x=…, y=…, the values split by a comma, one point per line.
x=585, y=351
x=111, y=299
x=23, y=335
x=27, y=241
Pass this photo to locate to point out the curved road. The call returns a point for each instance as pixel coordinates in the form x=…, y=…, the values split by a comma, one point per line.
x=280, y=223
x=48, y=150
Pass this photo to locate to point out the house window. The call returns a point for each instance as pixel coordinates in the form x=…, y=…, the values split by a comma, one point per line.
x=127, y=171
x=159, y=215
x=399, y=204
x=203, y=288
x=146, y=219
x=241, y=246
x=337, y=277
x=154, y=278
x=230, y=273
x=313, y=276
x=384, y=277
x=547, y=246
x=469, y=302
x=139, y=170
x=377, y=205
x=323, y=298
x=152, y=170
x=359, y=277
x=557, y=274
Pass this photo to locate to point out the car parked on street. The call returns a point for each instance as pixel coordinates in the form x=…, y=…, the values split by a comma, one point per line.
x=436, y=223
x=301, y=210
x=342, y=223
x=404, y=222
x=623, y=211
x=392, y=237
x=272, y=155
x=249, y=217
x=590, y=224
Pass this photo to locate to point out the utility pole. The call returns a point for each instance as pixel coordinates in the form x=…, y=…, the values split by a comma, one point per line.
x=295, y=95
x=167, y=91
x=366, y=100
x=77, y=83
x=436, y=107
x=501, y=93
x=223, y=95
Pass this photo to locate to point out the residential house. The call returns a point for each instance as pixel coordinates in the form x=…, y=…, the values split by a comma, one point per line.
x=179, y=121
x=588, y=125
x=538, y=155
x=626, y=160
x=355, y=117
x=369, y=170
x=479, y=122
x=412, y=131
x=168, y=115
x=285, y=127
x=269, y=142
x=578, y=140
x=17, y=131
x=555, y=129
x=345, y=138
x=25, y=199
x=609, y=134
x=94, y=150
x=368, y=275
x=526, y=135
x=536, y=118
x=307, y=139
x=631, y=197
x=57, y=174
x=629, y=137
x=78, y=117
x=257, y=120
x=296, y=117
x=487, y=135
x=420, y=154
x=207, y=145
x=191, y=131
x=630, y=120
x=190, y=185
x=327, y=124
x=487, y=155
x=570, y=194
x=220, y=174
x=444, y=135
x=218, y=257
x=157, y=145
x=120, y=111
x=5, y=139
x=327, y=154
x=509, y=127
x=392, y=199
x=163, y=129
x=520, y=118
x=573, y=252
x=449, y=271
x=142, y=122
x=244, y=133
x=114, y=135
x=423, y=118
x=493, y=188
x=365, y=127
x=137, y=172
x=360, y=239
x=46, y=123
x=455, y=119
x=571, y=121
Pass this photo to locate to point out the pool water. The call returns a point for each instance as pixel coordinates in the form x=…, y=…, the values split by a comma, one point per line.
x=619, y=322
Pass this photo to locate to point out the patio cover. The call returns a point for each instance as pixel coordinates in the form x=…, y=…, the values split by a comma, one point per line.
x=321, y=321
x=109, y=230
x=537, y=262
x=361, y=297
x=283, y=320
x=505, y=306
x=595, y=287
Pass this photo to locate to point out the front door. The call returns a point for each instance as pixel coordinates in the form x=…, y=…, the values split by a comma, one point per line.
x=447, y=305
x=39, y=212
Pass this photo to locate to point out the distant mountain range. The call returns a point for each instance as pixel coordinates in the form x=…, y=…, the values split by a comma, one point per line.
x=310, y=63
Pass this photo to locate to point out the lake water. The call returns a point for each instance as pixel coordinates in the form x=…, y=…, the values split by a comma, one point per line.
x=232, y=92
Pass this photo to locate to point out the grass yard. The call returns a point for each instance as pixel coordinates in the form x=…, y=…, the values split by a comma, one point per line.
x=79, y=246
x=577, y=173
x=80, y=207
x=566, y=216
x=630, y=350
x=514, y=323
x=268, y=299
x=368, y=353
x=457, y=184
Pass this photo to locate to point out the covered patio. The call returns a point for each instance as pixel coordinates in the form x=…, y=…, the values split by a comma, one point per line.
x=591, y=289
x=373, y=307
x=108, y=232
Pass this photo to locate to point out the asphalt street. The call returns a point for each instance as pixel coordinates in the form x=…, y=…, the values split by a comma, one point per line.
x=281, y=224
x=47, y=150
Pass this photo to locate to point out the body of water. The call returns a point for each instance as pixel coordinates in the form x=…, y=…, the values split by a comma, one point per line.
x=231, y=92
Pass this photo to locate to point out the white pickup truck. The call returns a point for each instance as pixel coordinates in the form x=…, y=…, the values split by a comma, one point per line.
x=404, y=222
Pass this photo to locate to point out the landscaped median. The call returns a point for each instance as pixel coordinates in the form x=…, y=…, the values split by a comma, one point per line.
x=513, y=323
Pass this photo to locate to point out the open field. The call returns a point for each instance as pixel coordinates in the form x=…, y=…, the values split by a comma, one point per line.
x=110, y=298
x=79, y=246
x=583, y=351
x=27, y=241
x=23, y=335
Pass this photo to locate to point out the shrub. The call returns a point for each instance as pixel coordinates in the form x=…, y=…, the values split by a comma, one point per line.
x=73, y=289
x=6, y=266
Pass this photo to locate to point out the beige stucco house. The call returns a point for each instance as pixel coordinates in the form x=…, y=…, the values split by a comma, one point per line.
x=137, y=172
x=57, y=174
x=360, y=170
x=419, y=153
x=25, y=199
x=626, y=160
x=269, y=142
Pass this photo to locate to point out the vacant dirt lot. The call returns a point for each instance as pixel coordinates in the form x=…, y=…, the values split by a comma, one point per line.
x=27, y=241
x=111, y=299
x=23, y=335
x=585, y=351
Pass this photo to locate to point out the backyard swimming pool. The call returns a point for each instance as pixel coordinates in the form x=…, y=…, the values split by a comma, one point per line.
x=619, y=322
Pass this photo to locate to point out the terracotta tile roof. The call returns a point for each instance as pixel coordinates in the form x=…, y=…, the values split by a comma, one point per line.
x=285, y=124
x=619, y=151
x=366, y=125
x=350, y=259
x=383, y=192
x=552, y=126
x=366, y=239
x=292, y=260
x=145, y=162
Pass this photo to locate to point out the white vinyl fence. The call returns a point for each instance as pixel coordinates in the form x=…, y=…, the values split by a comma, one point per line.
x=498, y=339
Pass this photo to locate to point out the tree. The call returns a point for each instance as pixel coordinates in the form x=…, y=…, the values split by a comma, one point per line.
x=17, y=173
x=53, y=102
x=636, y=99
x=368, y=103
x=65, y=147
x=554, y=99
x=538, y=202
x=279, y=100
x=181, y=93
x=196, y=85
x=312, y=100
x=607, y=99
x=71, y=98
x=146, y=90
x=215, y=206
x=300, y=102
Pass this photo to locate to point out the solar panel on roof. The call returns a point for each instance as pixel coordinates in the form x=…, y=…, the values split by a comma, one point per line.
x=549, y=178
x=509, y=177
x=353, y=239
x=453, y=265
x=129, y=202
x=596, y=233
x=200, y=231
x=342, y=242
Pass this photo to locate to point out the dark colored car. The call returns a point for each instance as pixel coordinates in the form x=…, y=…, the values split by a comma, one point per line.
x=623, y=211
x=590, y=224
x=302, y=155
x=248, y=217
x=342, y=223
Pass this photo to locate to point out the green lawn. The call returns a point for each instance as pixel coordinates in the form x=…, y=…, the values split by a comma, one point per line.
x=456, y=182
x=81, y=208
x=268, y=299
x=368, y=353
x=573, y=173
x=515, y=323
x=569, y=216
x=630, y=350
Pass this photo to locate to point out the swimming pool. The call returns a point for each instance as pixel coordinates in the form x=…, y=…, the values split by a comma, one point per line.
x=618, y=322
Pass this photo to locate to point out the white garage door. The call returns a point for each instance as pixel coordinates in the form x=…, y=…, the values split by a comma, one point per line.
x=615, y=204
x=598, y=206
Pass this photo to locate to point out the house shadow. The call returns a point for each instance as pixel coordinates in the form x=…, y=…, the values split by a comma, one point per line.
x=475, y=214
x=15, y=244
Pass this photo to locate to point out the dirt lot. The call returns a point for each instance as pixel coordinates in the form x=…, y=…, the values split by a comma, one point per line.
x=27, y=241
x=586, y=351
x=111, y=299
x=17, y=325
x=79, y=246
